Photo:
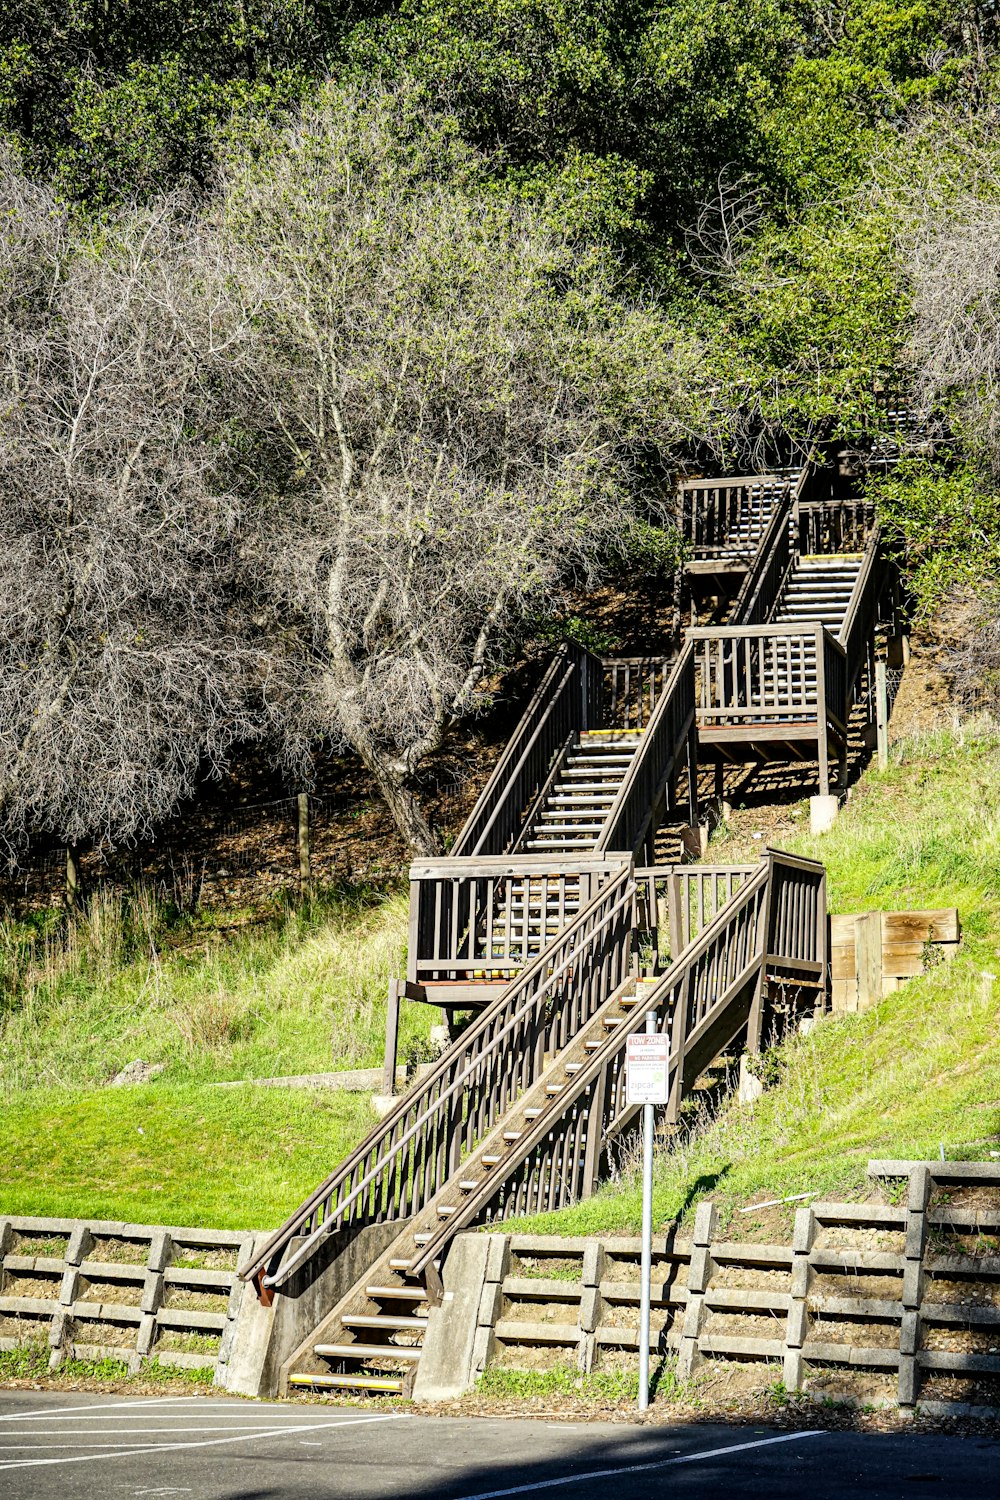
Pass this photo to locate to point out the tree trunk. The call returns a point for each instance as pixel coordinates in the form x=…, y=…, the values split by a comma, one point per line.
x=403, y=804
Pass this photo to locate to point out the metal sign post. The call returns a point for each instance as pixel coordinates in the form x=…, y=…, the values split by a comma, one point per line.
x=647, y=1083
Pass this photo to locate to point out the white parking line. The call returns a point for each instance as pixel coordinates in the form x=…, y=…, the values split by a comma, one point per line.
x=239, y=1437
x=48, y=1411
x=662, y=1463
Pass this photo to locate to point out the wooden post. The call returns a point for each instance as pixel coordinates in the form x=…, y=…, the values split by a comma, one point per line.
x=692, y=770
x=73, y=891
x=391, y=1039
x=595, y=1135
x=796, y=1328
x=881, y=715
x=868, y=948
x=913, y=1284
x=822, y=731
x=302, y=840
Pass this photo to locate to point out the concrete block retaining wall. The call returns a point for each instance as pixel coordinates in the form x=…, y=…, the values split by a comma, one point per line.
x=908, y=1292
x=132, y=1292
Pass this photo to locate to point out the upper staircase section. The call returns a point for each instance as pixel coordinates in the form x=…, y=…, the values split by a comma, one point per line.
x=723, y=520
x=575, y=809
x=819, y=588
x=595, y=747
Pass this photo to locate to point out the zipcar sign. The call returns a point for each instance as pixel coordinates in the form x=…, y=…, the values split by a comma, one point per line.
x=647, y=1068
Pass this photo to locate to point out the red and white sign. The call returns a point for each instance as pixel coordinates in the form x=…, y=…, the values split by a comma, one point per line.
x=647, y=1068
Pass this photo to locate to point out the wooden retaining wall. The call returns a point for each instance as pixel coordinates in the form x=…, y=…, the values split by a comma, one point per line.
x=909, y=1291
x=873, y=953
x=129, y=1292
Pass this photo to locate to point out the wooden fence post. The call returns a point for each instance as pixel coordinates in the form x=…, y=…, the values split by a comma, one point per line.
x=699, y=1275
x=913, y=1283
x=881, y=715
x=302, y=843
x=73, y=890
x=391, y=1039
x=798, y=1311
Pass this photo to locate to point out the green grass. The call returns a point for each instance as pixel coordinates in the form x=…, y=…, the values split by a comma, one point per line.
x=213, y=1002
x=566, y=1380
x=920, y=1070
x=173, y=1154
x=31, y=1362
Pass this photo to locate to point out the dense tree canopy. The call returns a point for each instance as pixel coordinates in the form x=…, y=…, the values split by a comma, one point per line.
x=420, y=274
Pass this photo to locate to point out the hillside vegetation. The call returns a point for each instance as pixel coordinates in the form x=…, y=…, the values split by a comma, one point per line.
x=216, y=1002
x=211, y=1003
x=920, y=1071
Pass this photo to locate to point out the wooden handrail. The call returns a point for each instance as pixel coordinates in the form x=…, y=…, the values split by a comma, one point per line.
x=564, y=701
x=436, y=1088
x=767, y=573
x=629, y=814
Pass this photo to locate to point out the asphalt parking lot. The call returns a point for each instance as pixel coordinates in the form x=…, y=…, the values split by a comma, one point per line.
x=215, y=1448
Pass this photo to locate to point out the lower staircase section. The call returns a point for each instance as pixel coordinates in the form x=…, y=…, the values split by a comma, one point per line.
x=518, y=1117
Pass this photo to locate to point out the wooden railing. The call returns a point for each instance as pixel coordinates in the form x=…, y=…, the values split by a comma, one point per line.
x=705, y=1000
x=833, y=526
x=675, y=903
x=633, y=686
x=403, y=1162
x=567, y=700
x=769, y=570
x=654, y=762
x=862, y=611
x=720, y=516
x=485, y=919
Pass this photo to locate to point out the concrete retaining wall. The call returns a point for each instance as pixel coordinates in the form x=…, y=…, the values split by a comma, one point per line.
x=93, y=1289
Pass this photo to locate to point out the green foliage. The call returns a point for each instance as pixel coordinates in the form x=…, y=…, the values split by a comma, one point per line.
x=948, y=520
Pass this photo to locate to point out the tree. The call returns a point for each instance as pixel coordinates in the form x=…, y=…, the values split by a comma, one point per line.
x=120, y=675
x=441, y=400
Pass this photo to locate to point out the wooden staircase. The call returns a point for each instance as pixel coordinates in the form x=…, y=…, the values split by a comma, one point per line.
x=819, y=588
x=532, y=920
x=518, y=1114
x=588, y=779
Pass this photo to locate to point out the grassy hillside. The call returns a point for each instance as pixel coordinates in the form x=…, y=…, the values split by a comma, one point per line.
x=919, y=1071
x=218, y=999
x=213, y=999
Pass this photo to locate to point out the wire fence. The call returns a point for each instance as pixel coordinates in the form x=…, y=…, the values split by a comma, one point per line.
x=250, y=853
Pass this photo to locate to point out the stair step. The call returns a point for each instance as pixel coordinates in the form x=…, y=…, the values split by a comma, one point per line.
x=396, y=1293
x=423, y=1237
x=391, y=1385
x=397, y=1264
x=554, y=1088
x=380, y=1320
x=367, y=1351
x=446, y=1210
x=492, y=1160
x=512, y=1135
x=532, y=1112
x=467, y=1185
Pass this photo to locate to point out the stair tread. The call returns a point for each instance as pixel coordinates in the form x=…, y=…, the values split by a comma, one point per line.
x=382, y=1320
x=367, y=1351
x=390, y=1384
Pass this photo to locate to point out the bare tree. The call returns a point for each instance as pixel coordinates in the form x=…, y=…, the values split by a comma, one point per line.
x=441, y=396
x=119, y=671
